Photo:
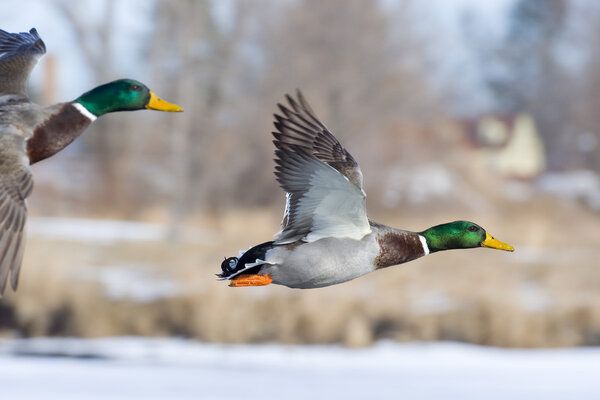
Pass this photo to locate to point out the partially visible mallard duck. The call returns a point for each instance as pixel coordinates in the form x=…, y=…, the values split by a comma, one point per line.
x=326, y=237
x=30, y=133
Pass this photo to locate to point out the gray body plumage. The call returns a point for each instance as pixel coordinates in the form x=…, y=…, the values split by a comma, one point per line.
x=324, y=262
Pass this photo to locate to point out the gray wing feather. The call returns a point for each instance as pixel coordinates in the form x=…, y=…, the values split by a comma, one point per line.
x=322, y=180
x=301, y=128
x=15, y=186
x=19, y=53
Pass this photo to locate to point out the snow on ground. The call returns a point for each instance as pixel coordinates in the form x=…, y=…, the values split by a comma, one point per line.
x=574, y=185
x=106, y=231
x=136, y=368
x=132, y=281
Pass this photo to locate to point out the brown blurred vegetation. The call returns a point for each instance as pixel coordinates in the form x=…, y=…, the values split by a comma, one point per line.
x=372, y=71
x=544, y=295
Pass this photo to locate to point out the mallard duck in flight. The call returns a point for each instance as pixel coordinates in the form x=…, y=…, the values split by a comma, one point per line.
x=30, y=133
x=326, y=237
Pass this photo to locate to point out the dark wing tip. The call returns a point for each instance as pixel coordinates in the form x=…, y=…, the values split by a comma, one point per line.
x=39, y=43
x=277, y=136
x=14, y=281
x=293, y=103
x=286, y=111
x=40, y=46
x=289, y=99
x=278, y=125
x=303, y=101
x=22, y=42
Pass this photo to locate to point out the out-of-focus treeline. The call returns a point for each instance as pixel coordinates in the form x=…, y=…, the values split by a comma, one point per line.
x=377, y=72
x=547, y=64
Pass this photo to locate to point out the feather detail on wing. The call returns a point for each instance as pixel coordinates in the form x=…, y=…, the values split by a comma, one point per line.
x=15, y=186
x=323, y=182
x=19, y=53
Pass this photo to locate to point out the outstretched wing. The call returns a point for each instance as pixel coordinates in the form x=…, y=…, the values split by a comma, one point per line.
x=15, y=186
x=323, y=182
x=19, y=52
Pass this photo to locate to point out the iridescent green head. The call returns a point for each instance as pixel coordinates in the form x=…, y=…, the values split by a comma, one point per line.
x=461, y=235
x=123, y=95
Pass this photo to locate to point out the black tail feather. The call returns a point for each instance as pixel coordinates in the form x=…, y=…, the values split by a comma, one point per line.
x=233, y=265
x=228, y=267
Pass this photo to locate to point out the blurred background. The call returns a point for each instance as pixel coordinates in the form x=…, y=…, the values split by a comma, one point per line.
x=455, y=109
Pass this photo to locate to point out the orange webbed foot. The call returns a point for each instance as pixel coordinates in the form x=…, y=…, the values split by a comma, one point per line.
x=250, y=280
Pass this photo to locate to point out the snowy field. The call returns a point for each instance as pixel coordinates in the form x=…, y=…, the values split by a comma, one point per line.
x=135, y=368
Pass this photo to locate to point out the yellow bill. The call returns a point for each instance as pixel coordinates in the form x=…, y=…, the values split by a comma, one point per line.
x=496, y=244
x=156, y=103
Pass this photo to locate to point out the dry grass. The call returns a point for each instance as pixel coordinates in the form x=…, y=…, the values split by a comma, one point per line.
x=543, y=295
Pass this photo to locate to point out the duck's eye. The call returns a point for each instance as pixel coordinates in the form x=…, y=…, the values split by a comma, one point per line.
x=135, y=88
x=472, y=228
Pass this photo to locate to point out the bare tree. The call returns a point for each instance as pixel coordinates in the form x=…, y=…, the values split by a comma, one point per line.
x=194, y=56
x=95, y=43
x=228, y=65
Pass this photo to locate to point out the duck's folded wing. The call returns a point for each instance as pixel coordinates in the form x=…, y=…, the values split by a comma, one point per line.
x=323, y=182
x=15, y=186
x=19, y=52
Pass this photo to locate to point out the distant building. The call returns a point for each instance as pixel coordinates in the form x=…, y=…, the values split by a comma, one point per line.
x=510, y=146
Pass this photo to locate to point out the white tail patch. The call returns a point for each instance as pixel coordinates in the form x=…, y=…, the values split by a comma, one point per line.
x=246, y=267
x=84, y=111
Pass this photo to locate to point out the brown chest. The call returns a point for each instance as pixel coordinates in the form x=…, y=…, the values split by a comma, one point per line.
x=55, y=133
x=398, y=248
